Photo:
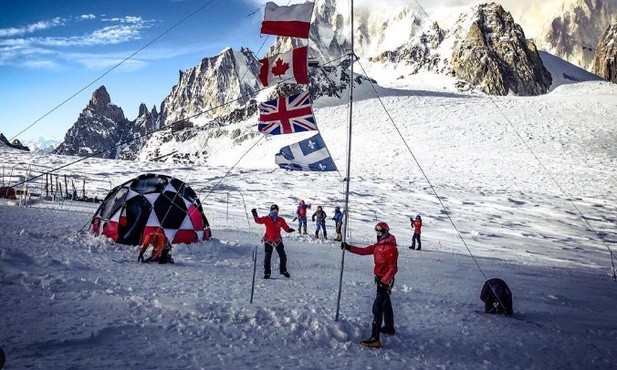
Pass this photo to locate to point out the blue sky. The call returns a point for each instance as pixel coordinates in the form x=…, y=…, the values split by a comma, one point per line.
x=49, y=50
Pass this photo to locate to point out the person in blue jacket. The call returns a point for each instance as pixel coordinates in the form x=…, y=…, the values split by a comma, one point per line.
x=338, y=220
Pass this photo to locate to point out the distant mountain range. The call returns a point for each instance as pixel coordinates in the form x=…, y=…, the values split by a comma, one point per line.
x=485, y=50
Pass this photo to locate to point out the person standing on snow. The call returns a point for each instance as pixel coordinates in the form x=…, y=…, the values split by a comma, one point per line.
x=319, y=217
x=272, y=239
x=417, y=230
x=385, y=255
x=301, y=216
x=338, y=220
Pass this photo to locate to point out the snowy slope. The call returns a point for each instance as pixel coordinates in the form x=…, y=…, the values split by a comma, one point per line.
x=74, y=301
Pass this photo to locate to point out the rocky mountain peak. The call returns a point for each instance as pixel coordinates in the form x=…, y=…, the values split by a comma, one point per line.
x=143, y=109
x=100, y=126
x=100, y=99
x=605, y=60
x=490, y=50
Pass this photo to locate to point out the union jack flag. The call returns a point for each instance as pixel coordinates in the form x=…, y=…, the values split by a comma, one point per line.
x=287, y=115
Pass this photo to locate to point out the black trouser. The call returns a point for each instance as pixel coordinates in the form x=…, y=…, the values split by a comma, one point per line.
x=382, y=311
x=280, y=249
x=416, y=237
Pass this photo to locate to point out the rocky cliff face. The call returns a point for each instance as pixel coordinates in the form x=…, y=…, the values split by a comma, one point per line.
x=102, y=127
x=605, y=60
x=215, y=87
x=491, y=51
x=421, y=52
x=485, y=48
x=16, y=144
x=573, y=34
x=137, y=132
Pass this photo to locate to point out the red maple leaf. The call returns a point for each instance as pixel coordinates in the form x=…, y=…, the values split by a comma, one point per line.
x=280, y=67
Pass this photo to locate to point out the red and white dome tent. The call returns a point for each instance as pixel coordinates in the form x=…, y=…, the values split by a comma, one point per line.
x=151, y=203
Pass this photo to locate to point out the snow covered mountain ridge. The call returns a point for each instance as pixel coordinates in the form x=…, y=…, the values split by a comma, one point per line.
x=484, y=50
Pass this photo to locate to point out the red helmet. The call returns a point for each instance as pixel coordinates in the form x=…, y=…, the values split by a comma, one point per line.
x=382, y=227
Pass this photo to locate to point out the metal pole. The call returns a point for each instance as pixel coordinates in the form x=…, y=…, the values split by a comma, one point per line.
x=254, y=271
x=348, y=172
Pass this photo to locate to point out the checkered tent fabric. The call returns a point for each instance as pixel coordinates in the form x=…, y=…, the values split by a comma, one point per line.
x=151, y=203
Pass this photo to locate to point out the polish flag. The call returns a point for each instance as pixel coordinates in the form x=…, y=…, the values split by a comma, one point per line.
x=290, y=67
x=291, y=20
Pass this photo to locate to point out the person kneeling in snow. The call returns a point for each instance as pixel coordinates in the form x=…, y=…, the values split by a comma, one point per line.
x=161, y=249
x=385, y=254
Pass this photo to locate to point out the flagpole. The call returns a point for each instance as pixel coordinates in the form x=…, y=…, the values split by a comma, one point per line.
x=348, y=172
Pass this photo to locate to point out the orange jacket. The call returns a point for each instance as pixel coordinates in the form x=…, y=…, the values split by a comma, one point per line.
x=158, y=241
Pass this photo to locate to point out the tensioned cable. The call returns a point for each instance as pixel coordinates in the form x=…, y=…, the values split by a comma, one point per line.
x=559, y=187
x=148, y=134
x=115, y=66
x=445, y=210
x=547, y=171
x=425, y=176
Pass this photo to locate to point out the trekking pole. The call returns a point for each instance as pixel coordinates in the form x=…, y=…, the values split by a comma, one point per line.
x=254, y=271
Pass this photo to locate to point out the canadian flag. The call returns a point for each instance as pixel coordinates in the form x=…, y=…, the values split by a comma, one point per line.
x=291, y=20
x=290, y=67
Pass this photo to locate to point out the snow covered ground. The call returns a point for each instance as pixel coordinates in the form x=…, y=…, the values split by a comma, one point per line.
x=512, y=173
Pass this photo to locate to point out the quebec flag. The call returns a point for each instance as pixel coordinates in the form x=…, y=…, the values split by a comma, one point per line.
x=307, y=155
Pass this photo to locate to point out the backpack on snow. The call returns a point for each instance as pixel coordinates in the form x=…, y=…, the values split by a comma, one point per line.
x=497, y=297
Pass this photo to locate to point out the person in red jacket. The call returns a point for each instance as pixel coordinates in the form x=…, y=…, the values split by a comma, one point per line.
x=272, y=239
x=385, y=254
x=417, y=230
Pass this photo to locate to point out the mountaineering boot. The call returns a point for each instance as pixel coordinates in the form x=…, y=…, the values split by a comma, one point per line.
x=388, y=331
x=267, y=275
x=372, y=342
x=339, y=237
x=412, y=247
x=316, y=234
x=299, y=230
x=325, y=236
x=304, y=230
x=286, y=274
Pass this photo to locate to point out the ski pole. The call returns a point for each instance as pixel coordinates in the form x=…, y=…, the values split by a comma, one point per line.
x=254, y=270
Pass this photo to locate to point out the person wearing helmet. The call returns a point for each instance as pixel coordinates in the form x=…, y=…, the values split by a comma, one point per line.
x=272, y=239
x=417, y=230
x=319, y=217
x=301, y=216
x=385, y=255
x=338, y=220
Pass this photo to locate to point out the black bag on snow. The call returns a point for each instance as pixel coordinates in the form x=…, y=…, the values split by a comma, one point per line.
x=497, y=297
